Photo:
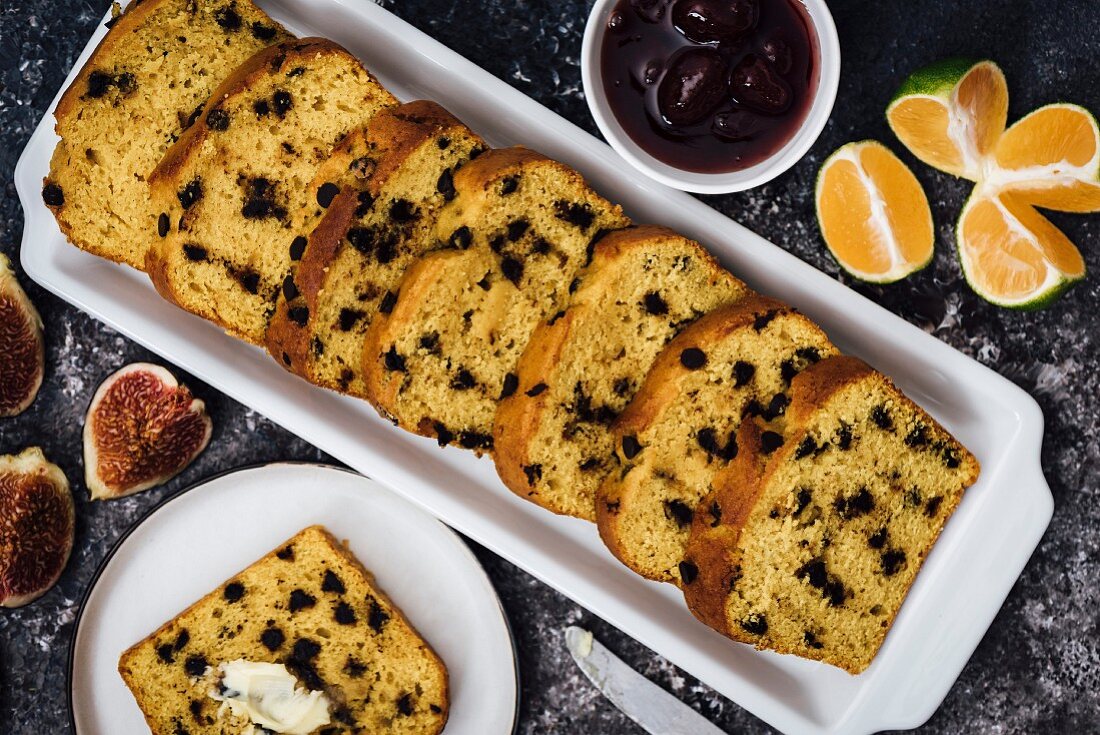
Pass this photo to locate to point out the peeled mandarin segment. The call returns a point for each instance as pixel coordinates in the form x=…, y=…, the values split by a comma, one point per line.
x=1012, y=255
x=980, y=107
x=921, y=125
x=1051, y=158
x=873, y=213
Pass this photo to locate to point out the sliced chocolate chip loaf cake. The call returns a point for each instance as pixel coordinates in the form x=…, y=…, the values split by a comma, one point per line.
x=811, y=549
x=234, y=192
x=680, y=429
x=582, y=366
x=519, y=230
x=310, y=607
x=144, y=85
x=399, y=172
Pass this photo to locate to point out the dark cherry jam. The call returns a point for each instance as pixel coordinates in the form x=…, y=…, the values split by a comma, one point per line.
x=709, y=85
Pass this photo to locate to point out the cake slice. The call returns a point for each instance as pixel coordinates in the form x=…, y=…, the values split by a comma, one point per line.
x=519, y=230
x=553, y=445
x=812, y=549
x=311, y=607
x=399, y=172
x=234, y=192
x=680, y=428
x=143, y=86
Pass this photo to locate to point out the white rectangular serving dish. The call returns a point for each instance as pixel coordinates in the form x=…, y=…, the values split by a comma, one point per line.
x=957, y=594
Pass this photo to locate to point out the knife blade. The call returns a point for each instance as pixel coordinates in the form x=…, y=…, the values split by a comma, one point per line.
x=651, y=707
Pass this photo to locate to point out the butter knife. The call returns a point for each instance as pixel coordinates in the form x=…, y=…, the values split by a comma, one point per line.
x=655, y=710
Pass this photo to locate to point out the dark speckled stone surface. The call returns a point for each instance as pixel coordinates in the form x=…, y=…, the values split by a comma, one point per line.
x=1038, y=668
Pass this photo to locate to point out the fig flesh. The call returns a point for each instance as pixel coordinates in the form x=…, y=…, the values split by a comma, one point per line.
x=22, y=354
x=142, y=429
x=36, y=526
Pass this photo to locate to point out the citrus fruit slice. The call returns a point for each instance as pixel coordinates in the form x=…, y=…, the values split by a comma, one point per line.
x=1013, y=256
x=1051, y=158
x=951, y=114
x=873, y=214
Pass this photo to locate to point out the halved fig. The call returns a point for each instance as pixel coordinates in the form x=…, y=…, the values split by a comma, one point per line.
x=22, y=353
x=142, y=429
x=36, y=526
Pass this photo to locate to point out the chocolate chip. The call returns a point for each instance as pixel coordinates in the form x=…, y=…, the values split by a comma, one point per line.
x=290, y=289
x=354, y=667
x=461, y=238
x=756, y=624
x=190, y=193
x=578, y=215
x=300, y=599
x=533, y=473
x=537, y=389
x=844, y=437
x=517, y=228
x=217, y=119
x=654, y=304
x=166, y=653
x=881, y=418
x=405, y=705
x=443, y=435
x=932, y=507
x=233, y=591
x=787, y=371
x=446, y=185
x=343, y=614
x=296, y=71
x=678, y=511
x=463, y=380
x=377, y=617
x=326, y=193
x=195, y=665
x=182, y=639
x=688, y=571
x=770, y=441
x=835, y=593
x=388, y=302
x=443, y=142
x=540, y=246
x=693, y=358
x=511, y=383
x=299, y=315
x=402, y=210
x=631, y=447
x=623, y=387
x=98, y=84
x=475, y=440
x=282, y=102
x=272, y=638
x=298, y=247
x=508, y=185
x=305, y=650
x=53, y=196
x=811, y=640
x=259, y=200
x=332, y=583
x=806, y=447
x=163, y=224
x=855, y=506
x=802, y=500
x=892, y=561
x=742, y=373
x=263, y=32
x=512, y=269
x=394, y=361
x=366, y=201
x=878, y=538
x=813, y=572
x=228, y=18
x=286, y=553
x=764, y=319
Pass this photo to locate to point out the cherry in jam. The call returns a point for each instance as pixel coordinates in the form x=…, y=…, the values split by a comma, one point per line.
x=709, y=85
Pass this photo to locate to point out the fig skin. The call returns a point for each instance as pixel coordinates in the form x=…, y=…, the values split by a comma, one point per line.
x=22, y=349
x=37, y=523
x=142, y=429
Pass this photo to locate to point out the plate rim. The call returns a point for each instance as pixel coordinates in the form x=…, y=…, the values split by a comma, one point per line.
x=70, y=659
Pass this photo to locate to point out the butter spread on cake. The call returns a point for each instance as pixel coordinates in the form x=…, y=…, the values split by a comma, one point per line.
x=553, y=444
x=236, y=190
x=312, y=608
x=143, y=86
x=680, y=428
x=519, y=230
x=398, y=173
x=812, y=548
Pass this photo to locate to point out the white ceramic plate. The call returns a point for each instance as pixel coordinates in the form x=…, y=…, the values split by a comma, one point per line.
x=963, y=582
x=197, y=539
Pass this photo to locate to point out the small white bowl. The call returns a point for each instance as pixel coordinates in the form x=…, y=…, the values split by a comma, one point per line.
x=828, y=68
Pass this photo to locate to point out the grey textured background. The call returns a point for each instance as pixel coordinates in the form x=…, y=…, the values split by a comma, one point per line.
x=1038, y=668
